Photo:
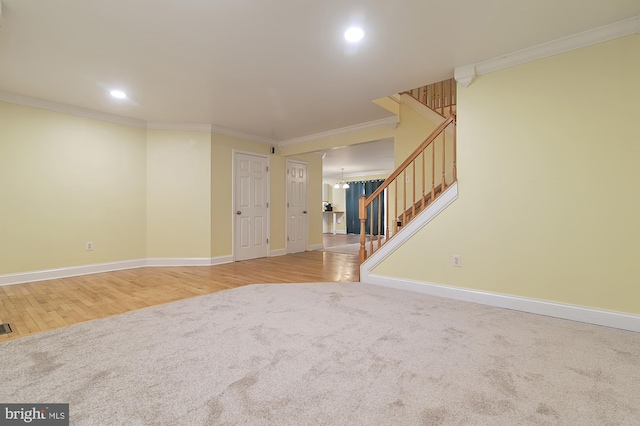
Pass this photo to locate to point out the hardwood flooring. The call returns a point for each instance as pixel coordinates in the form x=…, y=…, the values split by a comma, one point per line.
x=46, y=305
x=331, y=240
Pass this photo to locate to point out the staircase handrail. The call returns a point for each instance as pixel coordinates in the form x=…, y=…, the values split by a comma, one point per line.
x=424, y=145
x=366, y=202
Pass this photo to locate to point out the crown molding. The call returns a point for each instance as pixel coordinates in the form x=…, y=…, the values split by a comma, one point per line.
x=67, y=109
x=466, y=74
x=389, y=122
x=242, y=135
x=212, y=128
x=157, y=125
x=371, y=173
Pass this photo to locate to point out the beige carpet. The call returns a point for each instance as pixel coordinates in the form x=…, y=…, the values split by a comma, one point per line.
x=329, y=354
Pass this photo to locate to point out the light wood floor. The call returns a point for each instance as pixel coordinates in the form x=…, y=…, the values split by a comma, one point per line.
x=46, y=305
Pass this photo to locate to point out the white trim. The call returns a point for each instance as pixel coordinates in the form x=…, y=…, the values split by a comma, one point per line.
x=314, y=247
x=242, y=135
x=603, y=317
x=341, y=231
x=71, y=271
x=371, y=173
x=389, y=122
x=220, y=260
x=465, y=75
x=112, y=118
x=156, y=125
x=278, y=252
x=179, y=261
x=67, y=109
x=425, y=216
x=586, y=38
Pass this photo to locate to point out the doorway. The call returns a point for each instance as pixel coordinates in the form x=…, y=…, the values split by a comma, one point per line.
x=297, y=217
x=251, y=206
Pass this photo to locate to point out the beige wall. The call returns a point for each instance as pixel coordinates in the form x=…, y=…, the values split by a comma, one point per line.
x=178, y=194
x=548, y=157
x=66, y=180
x=222, y=218
x=411, y=132
x=135, y=193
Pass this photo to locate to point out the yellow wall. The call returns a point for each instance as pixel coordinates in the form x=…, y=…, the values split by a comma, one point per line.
x=178, y=194
x=221, y=203
x=66, y=180
x=135, y=193
x=222, y=147
x=548, y=157
x=411, y=132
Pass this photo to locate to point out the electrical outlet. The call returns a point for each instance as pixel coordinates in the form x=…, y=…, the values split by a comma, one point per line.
x=456, y=260
x=89, y=245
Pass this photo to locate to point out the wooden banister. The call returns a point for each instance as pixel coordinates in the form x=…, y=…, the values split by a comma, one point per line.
x=363, y=219
x=439, y=97
x=413, y=156
x=430, y=190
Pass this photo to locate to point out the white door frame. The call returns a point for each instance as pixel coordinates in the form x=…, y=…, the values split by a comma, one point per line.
x=233, y=199
x=287, y=203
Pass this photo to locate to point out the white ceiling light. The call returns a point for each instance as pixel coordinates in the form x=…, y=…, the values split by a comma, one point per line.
x=354, y=34
x=342, y=184
x=118, y=94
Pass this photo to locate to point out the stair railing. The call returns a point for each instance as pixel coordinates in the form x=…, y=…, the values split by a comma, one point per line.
x=435, y=160
x=440, y=97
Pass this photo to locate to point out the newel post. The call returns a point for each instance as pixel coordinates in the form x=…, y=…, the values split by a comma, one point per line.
x=363, y=230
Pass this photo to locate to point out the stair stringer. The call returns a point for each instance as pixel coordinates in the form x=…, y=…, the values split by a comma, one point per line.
x=424, y=217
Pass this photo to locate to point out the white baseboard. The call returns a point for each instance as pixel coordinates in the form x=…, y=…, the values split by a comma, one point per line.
x=74, y=271
x=278, y=252
x=179, y=261
x=602, y=317
x=341, y=231
x=314, y=247
x=220, y=260
x=71, y=271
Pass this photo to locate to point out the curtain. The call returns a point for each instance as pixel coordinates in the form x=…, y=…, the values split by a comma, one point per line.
x=353, y=193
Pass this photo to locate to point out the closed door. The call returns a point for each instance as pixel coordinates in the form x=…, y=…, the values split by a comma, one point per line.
x=251, y=207
x=296, y=207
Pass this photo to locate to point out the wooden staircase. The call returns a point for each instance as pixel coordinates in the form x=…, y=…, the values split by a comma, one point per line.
x=440, y=97
x=420, y=205
x=419, y=180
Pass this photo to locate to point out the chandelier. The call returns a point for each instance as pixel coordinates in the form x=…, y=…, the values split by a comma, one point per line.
x=342, y=184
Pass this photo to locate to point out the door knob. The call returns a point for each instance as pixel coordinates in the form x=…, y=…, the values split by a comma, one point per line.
x=305, y=212
x=238, y=212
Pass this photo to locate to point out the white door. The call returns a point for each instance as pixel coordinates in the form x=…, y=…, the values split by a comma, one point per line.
x=251, y=207
x=296, y=207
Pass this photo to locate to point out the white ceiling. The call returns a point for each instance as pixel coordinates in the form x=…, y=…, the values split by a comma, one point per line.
x=359, y=160
x=277, y=69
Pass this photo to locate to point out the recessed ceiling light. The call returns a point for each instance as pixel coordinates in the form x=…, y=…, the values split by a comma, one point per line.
x=118, y=94
x=354, y=34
